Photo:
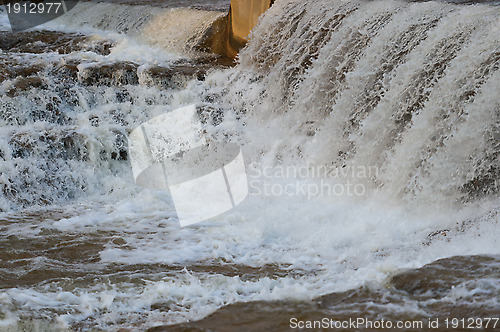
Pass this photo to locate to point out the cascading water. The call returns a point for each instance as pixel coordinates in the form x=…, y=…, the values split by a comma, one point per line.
x=398, y=86
x=371, y=130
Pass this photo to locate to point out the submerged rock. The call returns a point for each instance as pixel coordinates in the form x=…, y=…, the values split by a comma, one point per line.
x=113, y=74
x=44, y=41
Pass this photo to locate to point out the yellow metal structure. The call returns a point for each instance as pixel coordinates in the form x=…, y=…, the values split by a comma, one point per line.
x=243, y=16
x=230, y=33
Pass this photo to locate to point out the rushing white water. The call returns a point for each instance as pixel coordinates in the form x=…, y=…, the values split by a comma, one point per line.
x=397, y=101
x=175, y=30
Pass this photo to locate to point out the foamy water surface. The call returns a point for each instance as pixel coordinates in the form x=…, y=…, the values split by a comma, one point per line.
x=408, y=89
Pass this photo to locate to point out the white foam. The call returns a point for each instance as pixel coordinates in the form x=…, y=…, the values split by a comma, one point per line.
x=339, y=242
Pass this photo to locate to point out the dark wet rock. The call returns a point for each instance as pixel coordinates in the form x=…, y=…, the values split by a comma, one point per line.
x=11, y=68
x=216, y=61
x=222, y=6
x=174, y=77
x=25, y=71
x=113, y=74
x=67, y=71
x=102, y=48
x=45, y=41
x=39, y=42
x=25, y=83
x=181, y=72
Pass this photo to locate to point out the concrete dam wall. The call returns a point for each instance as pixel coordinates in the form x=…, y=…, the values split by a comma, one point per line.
x=243, y=16
x=229, y=34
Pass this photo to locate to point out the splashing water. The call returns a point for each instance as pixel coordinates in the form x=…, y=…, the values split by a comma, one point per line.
x=395, y=101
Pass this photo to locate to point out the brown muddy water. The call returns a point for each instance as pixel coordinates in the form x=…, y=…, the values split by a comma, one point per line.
x=428, y=292
x=460, y=287
x=408, y=88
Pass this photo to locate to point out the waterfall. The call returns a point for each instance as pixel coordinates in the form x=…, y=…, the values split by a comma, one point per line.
x=407, y=87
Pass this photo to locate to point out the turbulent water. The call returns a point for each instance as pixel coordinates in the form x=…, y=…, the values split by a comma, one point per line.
x=371, y=132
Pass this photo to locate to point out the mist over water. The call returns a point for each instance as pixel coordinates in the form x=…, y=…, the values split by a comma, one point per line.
x=395, y=101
